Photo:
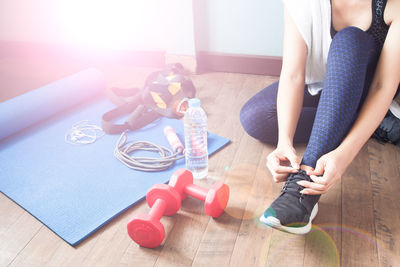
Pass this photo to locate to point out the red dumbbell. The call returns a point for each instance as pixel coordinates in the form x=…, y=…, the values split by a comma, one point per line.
x=215, y=199
x=146, y=229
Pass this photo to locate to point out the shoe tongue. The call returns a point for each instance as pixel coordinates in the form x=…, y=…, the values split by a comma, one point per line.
x=291, y=184
x=294, y=189
x=301, y=175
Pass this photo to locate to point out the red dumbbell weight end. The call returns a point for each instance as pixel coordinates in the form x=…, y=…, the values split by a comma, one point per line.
x=146, y=229
x=215, y=199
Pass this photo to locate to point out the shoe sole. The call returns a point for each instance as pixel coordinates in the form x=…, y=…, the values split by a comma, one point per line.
x=275, y=223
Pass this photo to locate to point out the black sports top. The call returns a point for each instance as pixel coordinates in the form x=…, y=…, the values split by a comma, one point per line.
x=378, y=29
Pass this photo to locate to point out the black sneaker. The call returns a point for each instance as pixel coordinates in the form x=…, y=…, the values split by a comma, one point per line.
x=389, y=130
x=292, y=211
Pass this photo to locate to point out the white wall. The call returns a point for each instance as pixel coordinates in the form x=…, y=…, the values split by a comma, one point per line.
x=252, y=27
x=228, y=26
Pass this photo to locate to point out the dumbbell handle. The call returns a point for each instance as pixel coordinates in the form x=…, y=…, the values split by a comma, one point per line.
x=158, y=209
x=196, y=191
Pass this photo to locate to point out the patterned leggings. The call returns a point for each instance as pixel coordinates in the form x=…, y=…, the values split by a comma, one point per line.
x=325, y=119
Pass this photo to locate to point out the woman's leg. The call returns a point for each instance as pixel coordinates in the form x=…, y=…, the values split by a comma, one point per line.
x=351, y=65
x=350, y=68
x=259, y=116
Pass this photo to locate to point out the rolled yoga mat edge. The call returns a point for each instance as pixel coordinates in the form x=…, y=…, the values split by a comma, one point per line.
x=35, y=106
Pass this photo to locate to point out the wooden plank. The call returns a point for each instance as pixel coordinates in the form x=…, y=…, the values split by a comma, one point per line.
x=47, y=248
x=385, y=189
x=67, y=255
x=252, y=243
x=11, y=213
x=16, y=236
x=39, y=250
x=285, y=250
x=358, y=244
x=322, y=247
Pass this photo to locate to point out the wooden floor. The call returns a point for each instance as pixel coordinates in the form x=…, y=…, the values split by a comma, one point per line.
x=358, y=223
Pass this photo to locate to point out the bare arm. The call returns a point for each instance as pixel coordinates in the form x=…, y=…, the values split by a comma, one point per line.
x=291, y=84
x=289, y=102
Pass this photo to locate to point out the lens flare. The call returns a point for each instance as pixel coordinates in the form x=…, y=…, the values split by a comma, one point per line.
x=111, y=23
x=316, y=246
x=363, y=236
x=241, y=182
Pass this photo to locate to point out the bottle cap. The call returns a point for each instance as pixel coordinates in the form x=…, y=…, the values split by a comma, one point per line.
x=194, y=102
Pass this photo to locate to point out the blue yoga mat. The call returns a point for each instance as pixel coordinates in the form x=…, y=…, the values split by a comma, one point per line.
x=73, y=190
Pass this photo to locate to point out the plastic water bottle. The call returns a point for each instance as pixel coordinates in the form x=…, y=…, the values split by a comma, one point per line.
x=196, y=153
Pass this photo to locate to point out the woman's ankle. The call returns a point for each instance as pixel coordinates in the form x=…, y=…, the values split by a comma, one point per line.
x=306, y=168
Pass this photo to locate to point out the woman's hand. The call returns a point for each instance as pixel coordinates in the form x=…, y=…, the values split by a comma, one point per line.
x=331, y=166
x=282, y=161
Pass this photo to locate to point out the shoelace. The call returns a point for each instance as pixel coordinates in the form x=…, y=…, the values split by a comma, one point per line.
x=292, y=187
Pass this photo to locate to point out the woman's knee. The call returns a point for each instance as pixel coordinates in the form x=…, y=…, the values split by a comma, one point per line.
x=266, y=132
x=248, y=117
x=353, y=37
x=260, y=122
x=258, y=106
x=352, y=60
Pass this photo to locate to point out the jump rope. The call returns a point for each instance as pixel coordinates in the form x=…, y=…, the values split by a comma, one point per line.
x=123, y=151
x=83, y=133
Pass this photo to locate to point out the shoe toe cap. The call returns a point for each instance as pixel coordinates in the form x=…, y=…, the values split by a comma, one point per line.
x=286, y=214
